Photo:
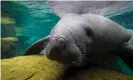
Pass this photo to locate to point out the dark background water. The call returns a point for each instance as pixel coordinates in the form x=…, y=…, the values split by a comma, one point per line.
x=34, y=20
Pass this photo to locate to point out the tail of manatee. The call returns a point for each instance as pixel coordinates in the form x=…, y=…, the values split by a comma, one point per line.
x=61, y=8
x=38, y=46
x=127, y=55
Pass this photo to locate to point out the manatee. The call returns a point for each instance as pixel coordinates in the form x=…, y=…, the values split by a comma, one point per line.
x=81, y=38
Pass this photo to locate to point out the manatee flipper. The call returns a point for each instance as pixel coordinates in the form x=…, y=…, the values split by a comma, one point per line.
x=131, y=40
x=38, y=46
x=126, y=51
x=127, y=55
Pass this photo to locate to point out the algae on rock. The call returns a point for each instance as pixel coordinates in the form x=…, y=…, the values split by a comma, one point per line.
x=7, y=20
x=39, y=67
x=32, y=68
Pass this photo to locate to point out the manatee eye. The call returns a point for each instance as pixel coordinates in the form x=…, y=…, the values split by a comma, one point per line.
x=61, y=40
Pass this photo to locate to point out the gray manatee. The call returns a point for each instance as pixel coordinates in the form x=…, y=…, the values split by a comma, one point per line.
x=81, y=38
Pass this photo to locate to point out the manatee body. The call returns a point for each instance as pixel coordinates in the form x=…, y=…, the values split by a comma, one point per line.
x=78, y=39
x=83, y=36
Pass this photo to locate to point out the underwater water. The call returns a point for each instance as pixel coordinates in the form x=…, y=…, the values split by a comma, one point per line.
x=24, y=22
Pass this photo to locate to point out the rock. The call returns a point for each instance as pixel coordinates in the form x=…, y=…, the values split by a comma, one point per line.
x=8, y=46
x=38, y=67
x=31, y=67
x=100, y=74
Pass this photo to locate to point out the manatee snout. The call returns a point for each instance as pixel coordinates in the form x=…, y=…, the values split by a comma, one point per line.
x=58, y=55
x=56, y=50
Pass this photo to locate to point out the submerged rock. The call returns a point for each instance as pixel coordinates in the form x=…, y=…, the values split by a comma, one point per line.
x=8, y=46
x=32, y=68
x=38, y=67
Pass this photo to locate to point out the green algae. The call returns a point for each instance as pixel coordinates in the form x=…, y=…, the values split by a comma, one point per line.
x=32, y=68
x=39, y=67
x=7, y=20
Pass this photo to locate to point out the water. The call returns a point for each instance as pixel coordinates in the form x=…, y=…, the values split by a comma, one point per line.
x=34, y=20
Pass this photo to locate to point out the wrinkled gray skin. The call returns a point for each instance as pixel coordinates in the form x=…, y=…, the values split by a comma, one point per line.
x=77, y=39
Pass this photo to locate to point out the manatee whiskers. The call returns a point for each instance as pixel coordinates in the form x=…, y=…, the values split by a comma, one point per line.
x=84, y=59
x=81, y=60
